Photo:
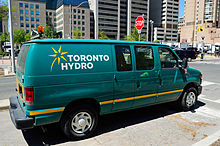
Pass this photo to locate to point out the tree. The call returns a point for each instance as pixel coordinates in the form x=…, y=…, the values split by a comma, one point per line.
x=19, y=36
x=102, y=36
x=48, y=32
x=77, y=34
x=157, y=41
x=5, y=37
x=27, y=37
x=3, y=10
x=135, y=36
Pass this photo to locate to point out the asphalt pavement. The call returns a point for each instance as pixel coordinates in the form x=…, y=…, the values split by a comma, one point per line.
x=155, y=125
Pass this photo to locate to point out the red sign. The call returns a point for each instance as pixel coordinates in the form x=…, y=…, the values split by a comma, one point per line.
x=139, y=23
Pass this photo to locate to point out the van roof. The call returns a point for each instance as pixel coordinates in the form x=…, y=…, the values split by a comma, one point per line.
x=91, y=41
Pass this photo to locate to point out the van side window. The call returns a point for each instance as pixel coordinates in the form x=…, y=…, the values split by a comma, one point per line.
x=167, y=58
x=144, y=58
x=123, y=57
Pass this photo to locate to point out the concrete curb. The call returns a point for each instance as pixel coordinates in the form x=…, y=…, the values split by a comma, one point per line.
x=209, y=140
x=4, y=104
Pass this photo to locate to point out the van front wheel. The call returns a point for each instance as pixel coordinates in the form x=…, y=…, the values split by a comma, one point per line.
x=188, y=99
x=80, y=122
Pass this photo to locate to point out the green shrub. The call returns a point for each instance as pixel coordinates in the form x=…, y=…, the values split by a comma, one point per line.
x=2, y=53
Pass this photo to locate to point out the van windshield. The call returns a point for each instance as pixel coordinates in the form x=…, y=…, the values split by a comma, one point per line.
x=22, y=58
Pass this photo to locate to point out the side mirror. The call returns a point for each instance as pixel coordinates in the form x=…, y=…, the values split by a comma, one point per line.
x=185, y=63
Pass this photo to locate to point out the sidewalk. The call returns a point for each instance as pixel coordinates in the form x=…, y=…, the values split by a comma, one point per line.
x=207, y=57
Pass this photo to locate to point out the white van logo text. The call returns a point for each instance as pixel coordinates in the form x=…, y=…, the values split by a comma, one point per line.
x=83, y=61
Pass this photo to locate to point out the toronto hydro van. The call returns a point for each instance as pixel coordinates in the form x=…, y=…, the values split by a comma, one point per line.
x=73, y=82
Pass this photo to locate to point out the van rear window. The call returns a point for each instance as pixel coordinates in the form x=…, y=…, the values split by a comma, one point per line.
x=22, y=58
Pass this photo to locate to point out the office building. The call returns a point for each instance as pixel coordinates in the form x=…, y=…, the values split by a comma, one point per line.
x=29, y=14
x=164, y=13
x=72, y=15
x=117, y=17
x=201, y=15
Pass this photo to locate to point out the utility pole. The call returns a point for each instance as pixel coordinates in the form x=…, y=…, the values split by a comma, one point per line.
x=11, y=37
x=152, y=28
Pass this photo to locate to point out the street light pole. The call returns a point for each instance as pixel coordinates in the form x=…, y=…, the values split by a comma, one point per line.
x=152, y=28
x=11, y=37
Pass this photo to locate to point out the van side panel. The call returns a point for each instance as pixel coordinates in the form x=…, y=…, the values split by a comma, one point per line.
x=62, y=73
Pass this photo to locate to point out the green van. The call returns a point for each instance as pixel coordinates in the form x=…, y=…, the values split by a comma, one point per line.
x=73, y=82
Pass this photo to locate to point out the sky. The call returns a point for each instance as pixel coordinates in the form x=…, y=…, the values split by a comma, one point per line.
x=181, y=8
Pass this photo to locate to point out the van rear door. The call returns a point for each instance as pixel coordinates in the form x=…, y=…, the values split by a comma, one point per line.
x=20, y=70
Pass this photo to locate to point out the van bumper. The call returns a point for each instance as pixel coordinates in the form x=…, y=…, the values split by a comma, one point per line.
x=18, y=116
x=199, y=90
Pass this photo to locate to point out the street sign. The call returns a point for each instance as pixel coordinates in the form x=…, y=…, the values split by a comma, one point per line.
x=139, y=23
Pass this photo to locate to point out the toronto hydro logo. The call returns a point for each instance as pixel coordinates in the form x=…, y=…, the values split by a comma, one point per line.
x=76, y=62
x=57, y=56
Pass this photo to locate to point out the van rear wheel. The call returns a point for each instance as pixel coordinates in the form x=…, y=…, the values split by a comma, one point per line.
x=80, y=122
x=188, y=99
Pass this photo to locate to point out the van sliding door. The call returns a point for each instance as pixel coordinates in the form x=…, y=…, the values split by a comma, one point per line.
x=124, y=80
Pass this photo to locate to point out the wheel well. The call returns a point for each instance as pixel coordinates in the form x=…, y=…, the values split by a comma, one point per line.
x=88, y=101
x=192, y=84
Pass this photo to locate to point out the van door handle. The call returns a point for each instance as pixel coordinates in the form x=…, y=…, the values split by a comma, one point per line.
x=138, y=84
x=115, y=79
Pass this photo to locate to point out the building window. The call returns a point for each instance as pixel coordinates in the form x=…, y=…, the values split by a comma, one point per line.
x=37, y=25
x=47, y=13
x=26, y=12
x=54, y=19
x=20, y=5
x=78, y=16
x=83, y=28
x=74, y=22
x=83, y=34
x=32, y=6
x=27, y=18
x=26, y=5
x=22, y=24
x=78, y=10
x=83, y=11
x=27, y=31
x=27, y=24
x=83, y=17
x=74, y=10
x=21, y=18
x=54, y=14
x=83, y=23
x=37, y=12
x=37, y=6
x=32, y=25
x=32, y=12
x=37, y=19
x=50, y=13
x=74, y=16
x=21, y=12
x=32, y=18
x=79, y=23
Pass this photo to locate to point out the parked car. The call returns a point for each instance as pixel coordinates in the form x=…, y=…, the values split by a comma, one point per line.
x=189, y=54
x=193, y=49
x=73, y=82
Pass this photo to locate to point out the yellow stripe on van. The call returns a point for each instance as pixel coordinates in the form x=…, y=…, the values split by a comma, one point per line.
x=46, y=111
x=145, y=96
x=175, y=91
x=124, y=99
x=139, y=97
x=106, y=102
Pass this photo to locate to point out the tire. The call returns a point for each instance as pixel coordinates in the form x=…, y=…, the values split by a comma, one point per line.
x=80, y=122
x=188, y=99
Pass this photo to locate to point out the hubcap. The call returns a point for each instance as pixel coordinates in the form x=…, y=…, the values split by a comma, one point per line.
x=190, y=99
x=81, y=122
